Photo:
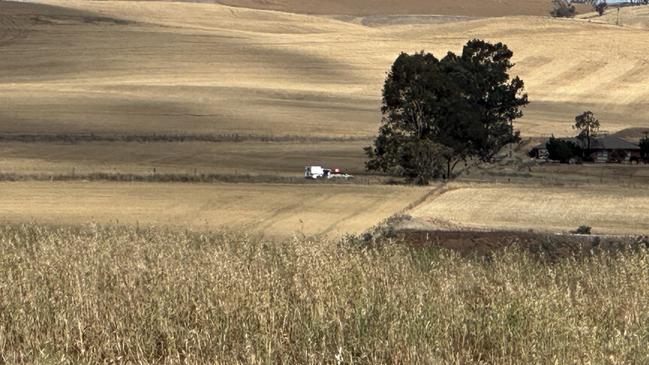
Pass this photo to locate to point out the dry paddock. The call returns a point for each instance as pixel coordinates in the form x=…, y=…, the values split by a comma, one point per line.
x=608, y=209
x=150, y=67
x=274, y=210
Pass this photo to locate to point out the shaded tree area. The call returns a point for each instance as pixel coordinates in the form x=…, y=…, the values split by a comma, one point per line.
x=588, y=127
x=644, y=148
x=562, y=150
x=599, y=6
x=562, y=9
x=437, y=113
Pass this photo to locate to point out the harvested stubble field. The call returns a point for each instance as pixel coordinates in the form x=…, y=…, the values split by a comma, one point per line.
x=118, y=67
x=273, y=210
x=109, y=295
x=608, y=208
x=161, y=67
x=125, y=68
x=618, y=176
x=229, y=158
x=631, y=16
x=390, y=7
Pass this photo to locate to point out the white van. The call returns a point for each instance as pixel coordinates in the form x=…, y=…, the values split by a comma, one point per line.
x=314, y=172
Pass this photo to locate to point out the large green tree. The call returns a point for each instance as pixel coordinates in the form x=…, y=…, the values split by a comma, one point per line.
x=461, y=107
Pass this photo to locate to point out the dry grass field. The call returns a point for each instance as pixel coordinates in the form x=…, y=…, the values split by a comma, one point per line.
x=609, y=209
x=389, y=7
x=632, y=16
x=165, y=67
x=160, y=67
x=229, y=158
x=114, y=66
x=272, y=210
x=150, y=272
x=100, y=295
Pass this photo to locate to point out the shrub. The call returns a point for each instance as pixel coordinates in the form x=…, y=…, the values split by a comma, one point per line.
x=583, y=230
x=617, y=156
x=600, y=7
x=644, y=149
x=562, y=9
x=422, y=161
x=562, y=150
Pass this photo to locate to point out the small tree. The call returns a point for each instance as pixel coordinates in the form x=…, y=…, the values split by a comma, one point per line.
x=644, y=148
x=600, y=6
x=562, y=9
x=583, y=230
x=588, y=126
x=561, y=150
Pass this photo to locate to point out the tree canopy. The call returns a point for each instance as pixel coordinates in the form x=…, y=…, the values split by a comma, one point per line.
x=600, y=6
x=588, y=127
x=644, y=148
x=452, y=109
x=562, y=150
x=562, y=9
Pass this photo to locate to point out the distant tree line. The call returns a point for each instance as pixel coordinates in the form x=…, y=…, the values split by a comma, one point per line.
x=563, y=9
x=637, y=2
x=566, y=151
x=566, y=9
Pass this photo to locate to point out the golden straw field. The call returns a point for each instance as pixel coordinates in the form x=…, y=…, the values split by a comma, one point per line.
x=235, y=158
x=127, y=68
x=115, y=66
x=96, y=294
x=388, y=7
x=268, y=209
x=153, y=207
x=609, y=209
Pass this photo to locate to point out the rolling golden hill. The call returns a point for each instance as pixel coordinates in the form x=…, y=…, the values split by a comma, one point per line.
x=160, y=67
x=628, y=16
x=165, y=67
x=485, y=8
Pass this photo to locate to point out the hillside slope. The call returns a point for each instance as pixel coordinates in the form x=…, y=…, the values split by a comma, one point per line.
x=158, y=67
x=630, y=16
x=473, y=8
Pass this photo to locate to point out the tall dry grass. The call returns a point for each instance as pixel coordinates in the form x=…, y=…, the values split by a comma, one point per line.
x=128, y=295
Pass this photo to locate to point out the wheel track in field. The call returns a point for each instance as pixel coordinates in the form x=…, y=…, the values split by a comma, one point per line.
x=12, y=29
x=285, y=212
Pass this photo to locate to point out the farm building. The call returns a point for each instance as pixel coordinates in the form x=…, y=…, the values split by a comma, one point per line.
x=612, y=149
x=602, y=149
